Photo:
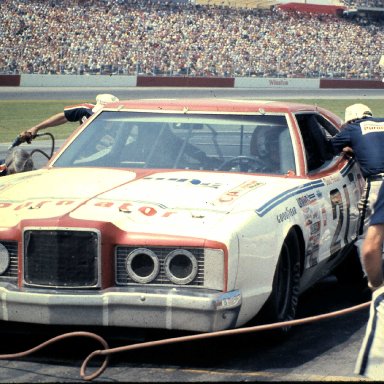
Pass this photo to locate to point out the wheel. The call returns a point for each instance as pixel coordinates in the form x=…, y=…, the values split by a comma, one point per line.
x=282, y=303
x=245, y=164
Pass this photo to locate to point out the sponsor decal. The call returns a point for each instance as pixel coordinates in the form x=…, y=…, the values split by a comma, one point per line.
x=286, y=215
x=307, y=213
x=308, y=199
x=331, y=179
x=371, y=127
x=315, y=228
x=312, y=218
x=313, y=250
x=184, y=180
x=129, y=207
x=313, y=223
x=148, y=210
x=125, y=207
x=238, y=191
x=34, y=204
x=311, y=215
x=324, y=215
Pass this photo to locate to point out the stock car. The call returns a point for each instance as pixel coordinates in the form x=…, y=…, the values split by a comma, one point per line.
x=197, y=215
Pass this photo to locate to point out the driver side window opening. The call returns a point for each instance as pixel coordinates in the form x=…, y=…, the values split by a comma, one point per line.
x=315, y=132
x=237, y=143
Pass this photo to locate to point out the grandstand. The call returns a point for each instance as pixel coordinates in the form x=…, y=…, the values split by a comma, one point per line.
x=238, y=38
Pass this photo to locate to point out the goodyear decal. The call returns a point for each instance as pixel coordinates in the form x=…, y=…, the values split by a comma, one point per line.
x=264, y=209
x=286, y=214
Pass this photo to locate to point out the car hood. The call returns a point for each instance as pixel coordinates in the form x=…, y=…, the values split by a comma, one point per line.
x=115, y=195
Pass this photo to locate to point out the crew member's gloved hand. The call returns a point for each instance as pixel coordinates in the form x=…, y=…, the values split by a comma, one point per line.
x=26, y=136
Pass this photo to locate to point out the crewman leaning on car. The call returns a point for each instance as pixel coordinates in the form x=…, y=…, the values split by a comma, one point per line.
x=363, y=135
x=75, y=113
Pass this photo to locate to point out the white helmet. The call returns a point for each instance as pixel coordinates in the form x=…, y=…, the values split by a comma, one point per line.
x=102, y=99
x=356, y=111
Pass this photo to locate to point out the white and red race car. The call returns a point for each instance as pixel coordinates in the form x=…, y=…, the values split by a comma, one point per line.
x=179, y=214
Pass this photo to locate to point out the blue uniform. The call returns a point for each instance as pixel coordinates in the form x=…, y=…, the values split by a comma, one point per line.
x=366, y=138
x=78, y=112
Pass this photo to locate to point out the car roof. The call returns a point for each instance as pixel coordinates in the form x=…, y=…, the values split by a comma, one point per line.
x=195, y=105
x=214, y=105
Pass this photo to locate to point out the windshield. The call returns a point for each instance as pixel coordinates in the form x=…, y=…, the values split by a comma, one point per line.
x=235, y=143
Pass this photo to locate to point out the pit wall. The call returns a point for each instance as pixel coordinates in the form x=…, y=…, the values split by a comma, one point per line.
x=115, y=81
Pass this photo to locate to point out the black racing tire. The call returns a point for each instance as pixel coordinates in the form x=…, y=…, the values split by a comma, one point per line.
x=282, y=303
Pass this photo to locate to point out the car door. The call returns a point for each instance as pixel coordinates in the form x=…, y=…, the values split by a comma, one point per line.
x=331, y=207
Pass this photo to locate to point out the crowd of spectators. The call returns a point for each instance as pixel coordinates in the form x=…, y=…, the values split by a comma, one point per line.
x=143, y=37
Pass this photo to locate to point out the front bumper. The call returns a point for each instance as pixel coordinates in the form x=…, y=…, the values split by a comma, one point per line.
x=192, y=310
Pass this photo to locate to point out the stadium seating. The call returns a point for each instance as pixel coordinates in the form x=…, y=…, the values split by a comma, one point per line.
x=225, y=38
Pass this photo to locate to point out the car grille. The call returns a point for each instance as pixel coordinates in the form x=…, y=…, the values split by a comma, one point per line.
x=122, y=277
x=11, y=272
x=61, y=258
